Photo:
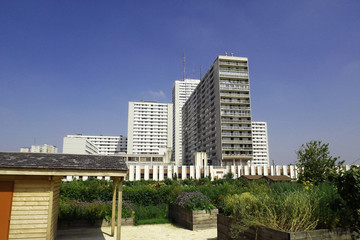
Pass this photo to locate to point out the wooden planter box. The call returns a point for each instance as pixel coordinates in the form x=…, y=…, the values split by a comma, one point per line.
x=98, y=223
x=224, y=227
x=263, y=233
x=193, y=219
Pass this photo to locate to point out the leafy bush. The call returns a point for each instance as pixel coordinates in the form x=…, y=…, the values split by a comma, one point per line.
x=86, y=191
x=91, y=211
x=348, y=185
x=127, y=210
x=194, y=201
x=330, y=209
x=151, y=214
x=67, y=209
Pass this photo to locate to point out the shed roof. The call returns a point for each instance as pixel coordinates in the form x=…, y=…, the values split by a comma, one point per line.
x=252, y=177
x=61, y=163
x=278, y=178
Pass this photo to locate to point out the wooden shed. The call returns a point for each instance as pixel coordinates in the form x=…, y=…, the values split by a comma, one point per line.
x=30, y=186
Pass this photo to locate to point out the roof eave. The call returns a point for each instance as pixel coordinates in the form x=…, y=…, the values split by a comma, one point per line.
x=62, y=172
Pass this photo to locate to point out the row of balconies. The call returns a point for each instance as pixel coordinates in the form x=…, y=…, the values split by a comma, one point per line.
x=234, y=87
x=230, y=63
x=238, y=148
x=234, y=74
x=232, y=100
x=235, y=113
x=146, y=119
x=234, y=81
x=236, y=156
x=147, y=130
x=233, y=70
x=236, y=141
x=235, y=127
x=235, y=134
x=234, y=94
x=152, y=138
x=236, y=107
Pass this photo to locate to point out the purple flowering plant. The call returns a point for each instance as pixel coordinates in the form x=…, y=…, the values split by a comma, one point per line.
x=194, y=201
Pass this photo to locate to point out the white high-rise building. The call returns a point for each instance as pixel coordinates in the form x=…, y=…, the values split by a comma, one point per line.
x=217, y=116
x=40, y=149
x=150, y=128
x=182, y=89
x=260, y=143
x=105, y=145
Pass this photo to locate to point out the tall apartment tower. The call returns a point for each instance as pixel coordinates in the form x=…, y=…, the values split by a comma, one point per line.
x=260, y=144
x=217, y=116
x=182, y=89
x=149, y=128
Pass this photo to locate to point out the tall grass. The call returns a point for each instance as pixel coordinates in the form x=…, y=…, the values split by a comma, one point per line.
x=283, y=207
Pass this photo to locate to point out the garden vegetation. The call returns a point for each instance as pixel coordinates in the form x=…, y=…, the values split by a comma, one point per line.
x=329, y=201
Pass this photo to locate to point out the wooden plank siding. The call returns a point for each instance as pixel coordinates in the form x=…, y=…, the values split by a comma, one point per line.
x=55, y=207
x=30, y=208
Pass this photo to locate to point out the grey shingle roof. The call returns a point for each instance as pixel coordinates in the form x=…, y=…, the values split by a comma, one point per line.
x=61, y=161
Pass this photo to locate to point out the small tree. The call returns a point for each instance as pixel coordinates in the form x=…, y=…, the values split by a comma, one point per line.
x=315, y=163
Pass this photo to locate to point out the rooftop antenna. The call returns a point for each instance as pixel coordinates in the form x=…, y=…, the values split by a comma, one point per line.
x=232, y=54
x=200, y=73
x=184, y=66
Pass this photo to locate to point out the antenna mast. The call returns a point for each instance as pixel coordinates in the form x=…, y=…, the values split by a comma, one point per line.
x=200, y=72
x=184, y=66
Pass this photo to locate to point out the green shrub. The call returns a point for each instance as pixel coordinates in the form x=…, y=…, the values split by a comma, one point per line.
x=67, y=209
x=151, y=213
x=91, y=211
x=330, y=210
x=348, y=185
x=127, y=210
x=86, y=191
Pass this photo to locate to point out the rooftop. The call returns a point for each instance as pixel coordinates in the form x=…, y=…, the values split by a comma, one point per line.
x=61, y=161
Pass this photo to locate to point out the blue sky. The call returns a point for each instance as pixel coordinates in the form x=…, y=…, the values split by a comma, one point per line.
x=71, y=67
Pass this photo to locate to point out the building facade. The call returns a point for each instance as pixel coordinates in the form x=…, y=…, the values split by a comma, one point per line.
x=260, y=144
x=182, y=89
x=217, y=116
x=40, y=149
x=149, y=128
x=85, y=144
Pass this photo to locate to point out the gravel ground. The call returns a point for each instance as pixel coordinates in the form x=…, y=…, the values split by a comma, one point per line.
x=142, y=232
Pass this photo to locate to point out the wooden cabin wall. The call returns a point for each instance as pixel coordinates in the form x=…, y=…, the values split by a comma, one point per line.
x=55, y=207
x=30, y=208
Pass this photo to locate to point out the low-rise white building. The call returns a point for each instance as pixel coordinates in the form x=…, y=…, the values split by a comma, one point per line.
x=260, y=144
x=40, y=149
x=79, y=145
x=85, y=144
